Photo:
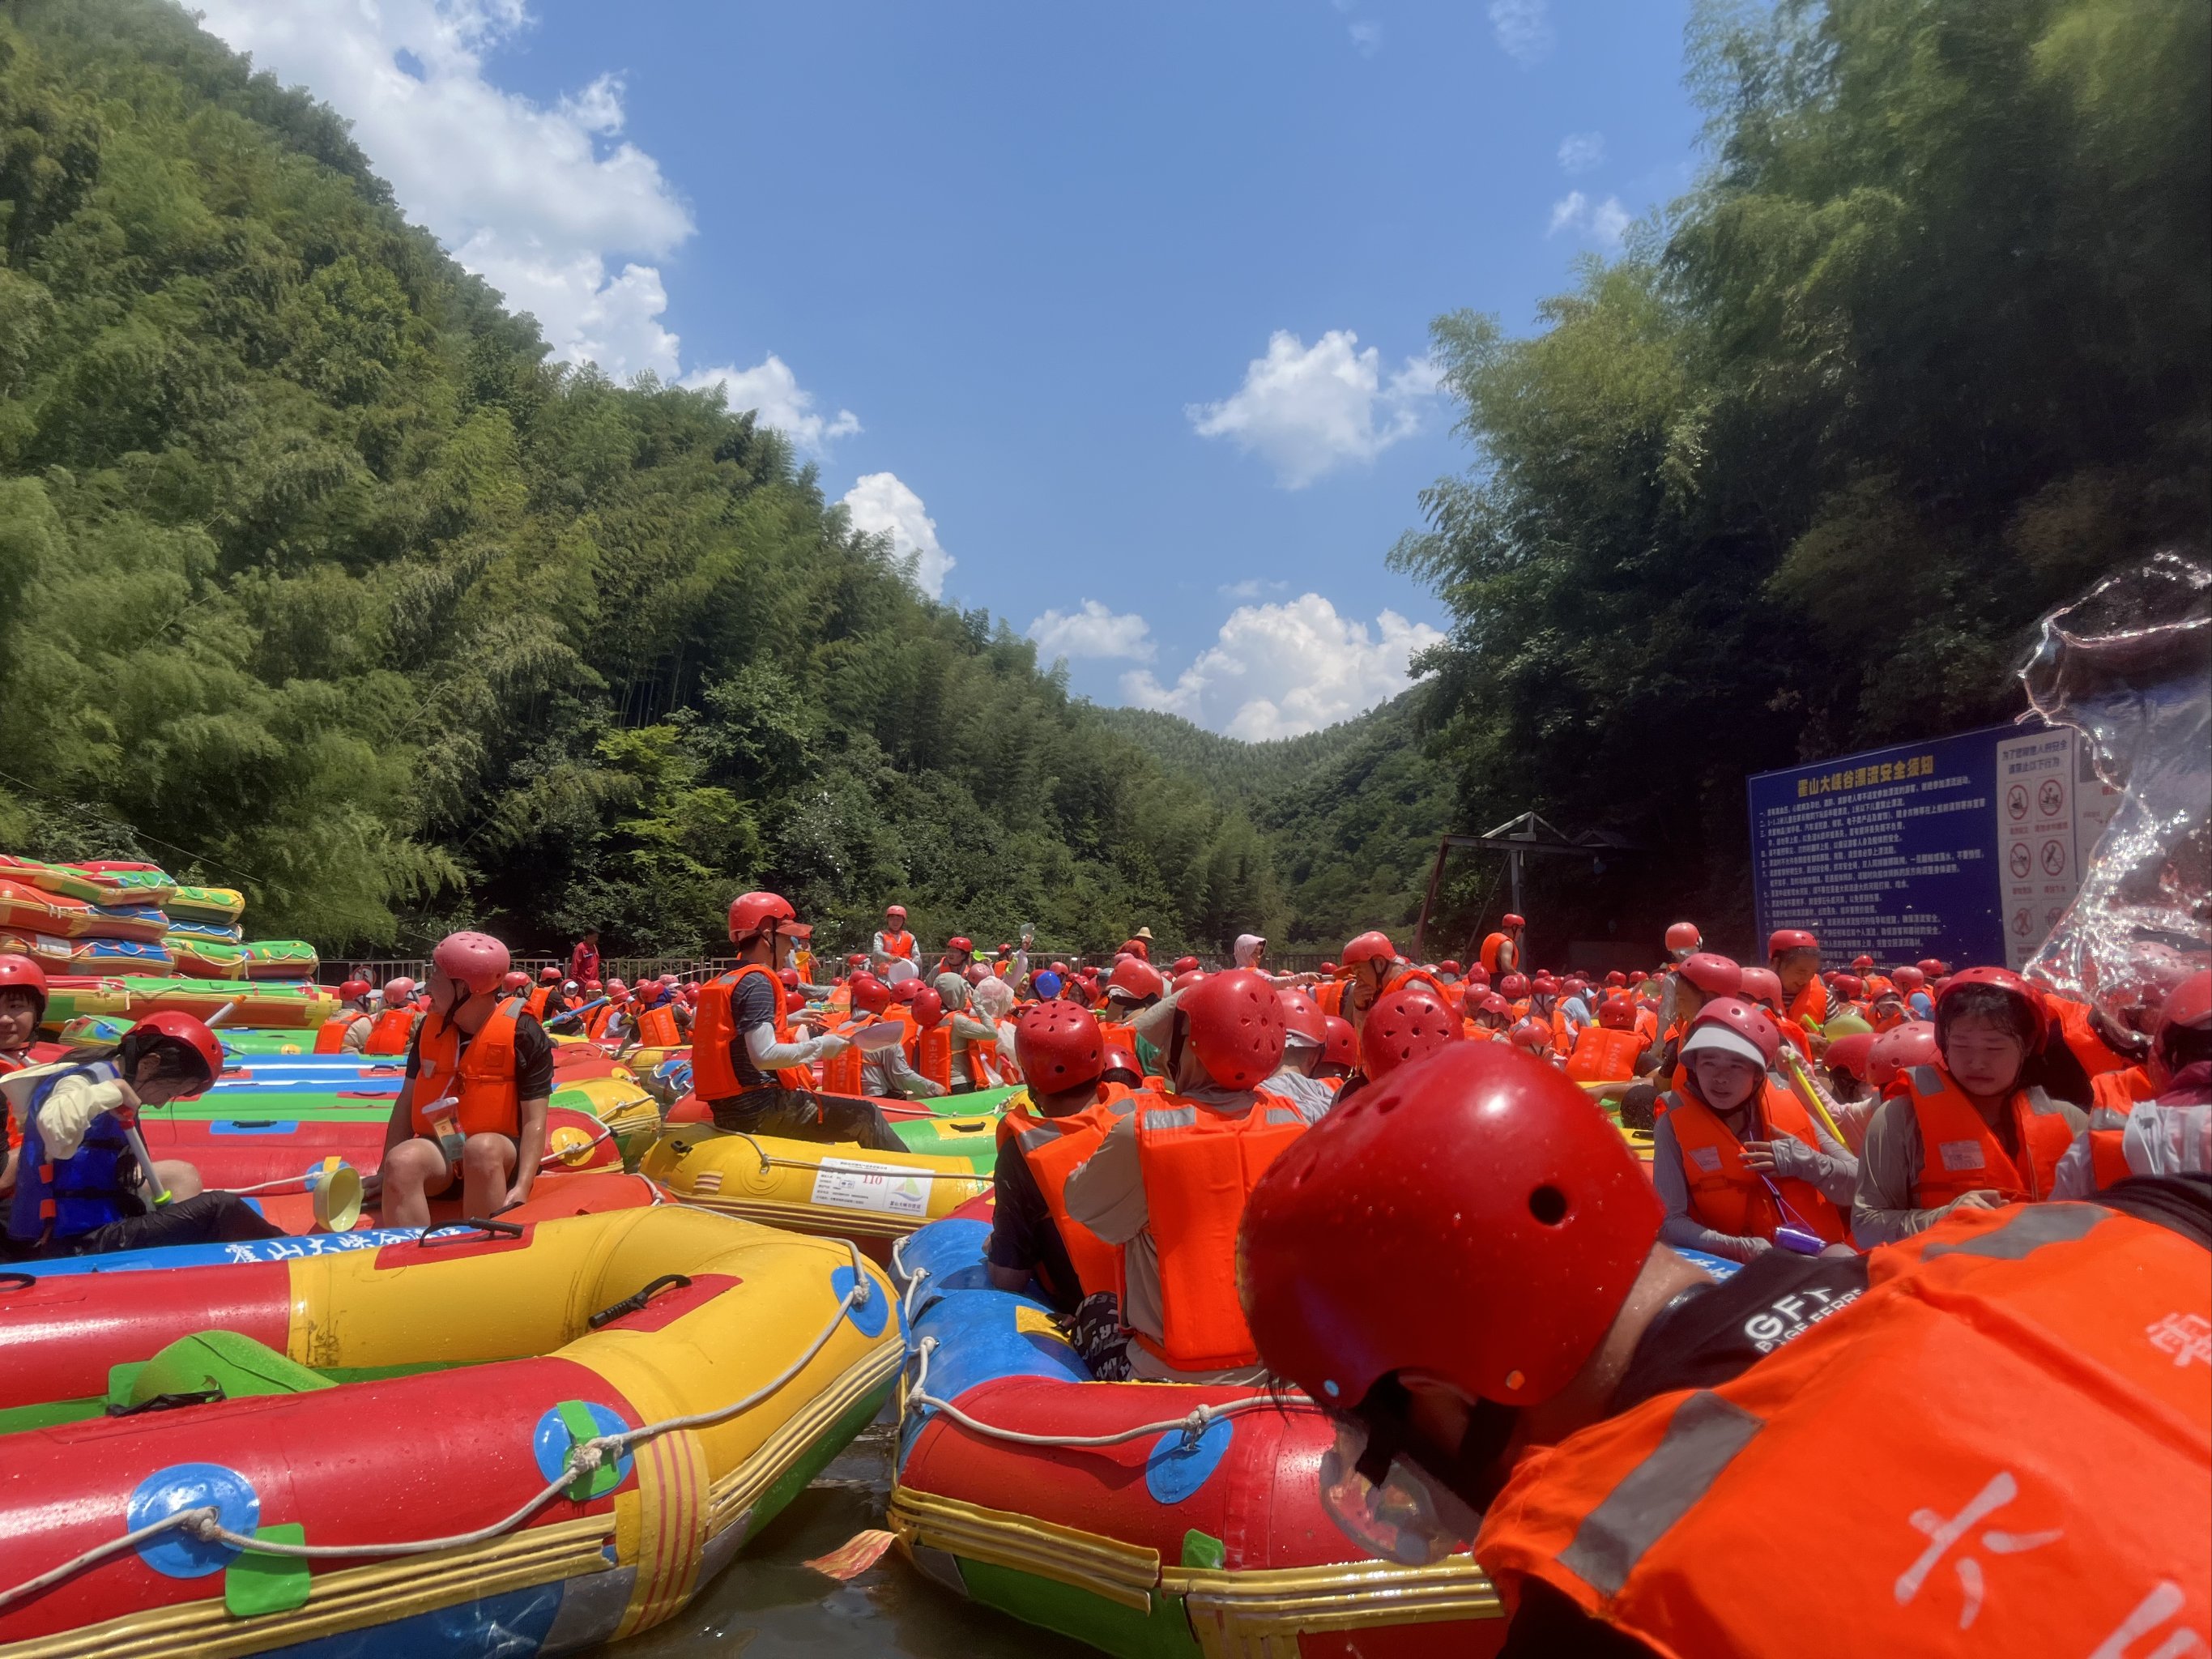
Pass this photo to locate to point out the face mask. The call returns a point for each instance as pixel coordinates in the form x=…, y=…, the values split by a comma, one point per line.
x=1410, y=1517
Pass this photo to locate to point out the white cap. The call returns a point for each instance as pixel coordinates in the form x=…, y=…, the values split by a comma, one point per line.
x=1728, y=1040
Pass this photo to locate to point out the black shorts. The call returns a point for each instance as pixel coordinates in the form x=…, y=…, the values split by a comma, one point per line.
x=802, y=1115
x=453, y=1170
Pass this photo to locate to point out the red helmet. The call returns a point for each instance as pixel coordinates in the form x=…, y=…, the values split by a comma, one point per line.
x=689, y=991
x=1185, y=965
x=1330, y=968
x=1060, y=968
x=1574, y=985
x=1369, y=947
x=1121, y=1068
x=1137, y=979
x=1682, y=938
x=193, y=1034
x=1404, y=1026
x=1235, y=1027
x=1184, y=981
x=1849, y=987
x=513, y=980
x=351, y=991
x=960, y=942
x=617, y=991
x=1551, y=1226
x=1302, y=1017
x=1715, y=976
x=396, y=991
x=1479, y=976
x=1533, y=1035
x=788, y=978
x=870, y=994
x=26, y=975
x=477, y=963
x=1932, y=967
x=548, y=975
x=1900, y=1048
x=1447, y=966
x=1761, y=985
x=1637, y=976
x=1783, y=940
x=1492, y=1003
x=1849, y=1054
x=2002, y=979
x=1058, y=1047
x=1340, y=1045
x=1543, y=985
x=2188, y=1008
x=1862, y=965
x=1616, y=980
x=1514, y=986
x=898, y=910
x=977, y=973
x=753, y=913
x=594, y=986
x=929, y=1006
x=1908, y=980
x=1617, y=1014
x=906, y=990
x=1510, y=921
x=1734, y=1027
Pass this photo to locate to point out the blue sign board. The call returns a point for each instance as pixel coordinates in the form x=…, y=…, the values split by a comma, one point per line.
x=1894, y=854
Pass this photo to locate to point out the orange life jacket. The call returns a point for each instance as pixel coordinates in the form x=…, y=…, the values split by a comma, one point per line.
x=1601, y=1054
x=1959, y=1155
x=1493, y=952
x=1647, y=1024
x=933, y=1055
x=657, y=1028
x=1562, y=1035
x=1727, y=1195
x=393, y=1030
x=899, y=945
x=1810, y=1006
x=2108, y=1157
x=1330, y=997
x=595, y=1023
x=1198, y=1167
x=2121, y=1090
x=534, y=1004
x=2072, y=1019
x=2007, y=1422
x=1053, y=1148
x=846, y=1073
x=983, y=1062
x=330, y=1038
x=712, y=1030
x=480, y=1078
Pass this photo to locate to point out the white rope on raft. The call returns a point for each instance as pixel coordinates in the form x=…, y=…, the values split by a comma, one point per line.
x=767, y=1162
x=551, y=1163
x=1193, y=1425
x=585, y=1457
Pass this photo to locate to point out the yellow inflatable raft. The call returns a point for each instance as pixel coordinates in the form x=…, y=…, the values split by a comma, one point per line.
x=840, y=1191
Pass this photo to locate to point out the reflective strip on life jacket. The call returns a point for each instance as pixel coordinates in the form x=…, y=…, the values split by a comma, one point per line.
x=1959, y=1155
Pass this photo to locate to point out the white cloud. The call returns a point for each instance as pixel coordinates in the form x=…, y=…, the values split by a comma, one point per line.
x=1367, y=36
x=881, y=504
x=1309, y=409
x=1522, y=29
x=546, y=202
x=1093, y=631
x=1602, y=222
x=1581, y=151
x=770, y=388
x=1276, y=671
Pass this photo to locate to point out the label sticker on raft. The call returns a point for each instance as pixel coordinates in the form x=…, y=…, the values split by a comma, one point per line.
x=852, y=1185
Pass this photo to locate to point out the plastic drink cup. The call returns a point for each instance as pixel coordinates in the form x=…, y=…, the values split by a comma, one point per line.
x=445, y=1127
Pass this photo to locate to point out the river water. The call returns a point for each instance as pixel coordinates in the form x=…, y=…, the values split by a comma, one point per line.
x=767, y=1605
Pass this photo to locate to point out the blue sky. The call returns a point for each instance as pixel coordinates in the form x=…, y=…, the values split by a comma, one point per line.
x=1080, y=300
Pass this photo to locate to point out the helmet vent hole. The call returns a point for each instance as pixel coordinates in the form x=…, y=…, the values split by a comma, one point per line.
x=1548, y=1204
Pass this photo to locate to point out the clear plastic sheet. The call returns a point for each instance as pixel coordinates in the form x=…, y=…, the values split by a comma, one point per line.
x=2129, y=665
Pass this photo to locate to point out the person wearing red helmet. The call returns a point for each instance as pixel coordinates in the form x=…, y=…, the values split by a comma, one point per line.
x=1683, y=940
x=471, y=1112
x=1967, y=1130
x=1371, y=967
x=393, y=1029
x=344, y=1031
x=2154, y=1119
x=22, y=1006
x=1491, y=1015
x=1599, y=1416
x=888, y=1073
x=649, y=1019
x=81, y=1186
x=1794, y=954
x=1168, y=1183
x=1406, y=1024
x=584, y=959
x=751, y=1063
x=892, y=942
x=1606, y=1049
x=1134, y=986
x=959, y=952
x=1045, y=1136
x=1740, y=1164
x=1305, y=1043
x=1501, y=950
x=1339, y=1050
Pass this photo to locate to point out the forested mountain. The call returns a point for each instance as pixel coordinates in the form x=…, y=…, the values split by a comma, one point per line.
x=1927, y=349
x=318, y=580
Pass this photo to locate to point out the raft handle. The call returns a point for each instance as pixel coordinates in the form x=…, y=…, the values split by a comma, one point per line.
x=635, y=1301
x=12, y=1281
x=462, y=1229
x=169, y=1402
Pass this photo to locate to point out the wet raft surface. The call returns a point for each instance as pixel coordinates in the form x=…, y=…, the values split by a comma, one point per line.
x=768, y=1605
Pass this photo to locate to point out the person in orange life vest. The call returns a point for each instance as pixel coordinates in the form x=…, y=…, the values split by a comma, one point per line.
x=1605, y=1050
x=1735, y=1158
x=1406, y=1023
x=892, y=941
x=392, y=1027
x=1845, y=1082
x=23, y=998
x=1532, y=1035
x=751, y=1060
x=472, y=1109
x=1372, y=966
x=1046, y=1134
x=1492, y=1015
x=1305, y=1040
x=972, y=1041
x=344, y=1031
x=583, y=960
x=611, y=997
x=2162, y=1125
x=650, y=1018
x=1570, y=1012
x=1698, y=978
x=959, y=952
x=888, y=1074
x=1794, y=955
x=1168, y=1183
x=1608, y=1423
x=1501, y=950
x=1965, y=1132
x=1762, y=988
x=541, y=1003
x=1339, y=1050
x=1136, y=986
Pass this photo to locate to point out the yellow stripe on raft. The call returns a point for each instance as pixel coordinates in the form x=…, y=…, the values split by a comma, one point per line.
x=842, y=1191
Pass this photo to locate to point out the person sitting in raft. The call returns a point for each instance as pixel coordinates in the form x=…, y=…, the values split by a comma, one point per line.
x=393, y=1030
x=473, y=1109
x=1168, y=1183
x=975, y=1041
x=79, y=1187
x=1492, y=1013
x=22, y=1009
x=1965, y=1132
x=1134, y=986
x=1305, y=1039
x=751, y=1062
x=2157, y=1121
x=345, y=1031
x=1736, y=1160
x=1794, y=954
x=886, y=1074
x=1339, y=1050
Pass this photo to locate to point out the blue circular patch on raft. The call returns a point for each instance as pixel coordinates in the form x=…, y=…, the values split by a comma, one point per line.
x=868, y=1317
x=1177, y=1468
x=561, y=1429
x=192, y=1486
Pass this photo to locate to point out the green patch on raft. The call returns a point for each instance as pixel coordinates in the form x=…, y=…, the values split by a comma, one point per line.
x=1161, y=1632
